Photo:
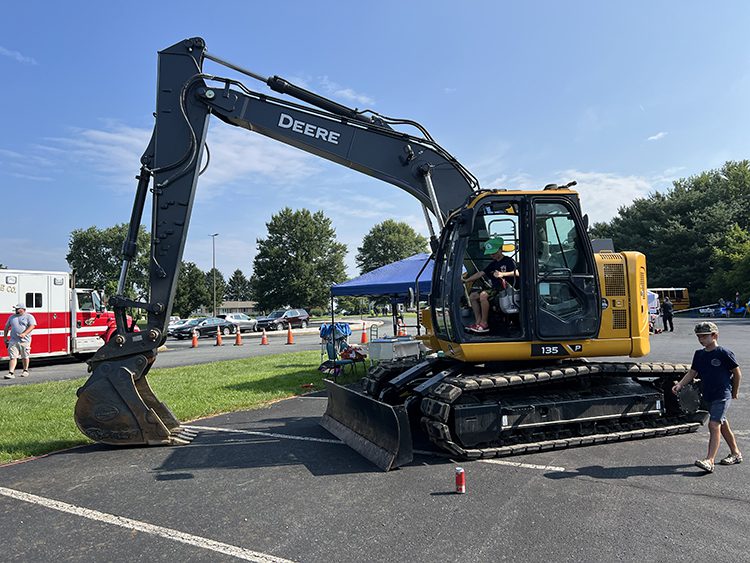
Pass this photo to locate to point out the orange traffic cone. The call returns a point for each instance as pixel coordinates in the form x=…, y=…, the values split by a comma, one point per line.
x=218, y=339
x=363, y=340
x=289, y=335
x=264, y=338
x=194, y=343
x=238, y=338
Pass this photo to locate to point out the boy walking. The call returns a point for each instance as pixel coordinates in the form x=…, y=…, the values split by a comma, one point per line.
x=720, y=374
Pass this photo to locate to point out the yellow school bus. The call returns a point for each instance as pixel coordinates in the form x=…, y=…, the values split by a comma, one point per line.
x=677, y=295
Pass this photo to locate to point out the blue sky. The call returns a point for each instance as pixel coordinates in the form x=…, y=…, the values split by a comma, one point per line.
x=623, y=97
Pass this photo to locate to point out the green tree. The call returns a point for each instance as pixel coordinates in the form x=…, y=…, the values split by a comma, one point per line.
x=684, y=232
x=298, y=262
x=731, y=265
x=96, y=257
x=388, y=242
x=192, y=290
x=221, y=286
x=238, y=287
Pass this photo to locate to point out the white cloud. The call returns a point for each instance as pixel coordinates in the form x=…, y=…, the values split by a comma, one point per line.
x=603, y=193
x=659, y=135
x=114, y=151
x=449, y=90
x=237, y=155
x=32, y=177
x=348, y=94
x=18, y=57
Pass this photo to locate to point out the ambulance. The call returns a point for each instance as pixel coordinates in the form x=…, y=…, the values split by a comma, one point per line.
x=70, y=320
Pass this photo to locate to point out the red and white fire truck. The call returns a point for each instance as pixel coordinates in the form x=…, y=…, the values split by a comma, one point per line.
x=70, y=320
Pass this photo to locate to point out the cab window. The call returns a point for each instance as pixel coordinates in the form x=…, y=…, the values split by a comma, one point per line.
x=566, y=290
x=85, y=302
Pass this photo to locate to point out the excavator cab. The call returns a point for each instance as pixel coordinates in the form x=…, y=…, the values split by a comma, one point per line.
x=555, y=295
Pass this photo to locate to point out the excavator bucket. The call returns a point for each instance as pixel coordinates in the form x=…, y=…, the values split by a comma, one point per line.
x=117, y=406
x=377, y=431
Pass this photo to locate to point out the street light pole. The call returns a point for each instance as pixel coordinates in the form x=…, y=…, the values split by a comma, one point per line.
x=213, y=264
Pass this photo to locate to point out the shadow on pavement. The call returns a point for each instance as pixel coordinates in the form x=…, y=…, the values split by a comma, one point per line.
x=600, y=472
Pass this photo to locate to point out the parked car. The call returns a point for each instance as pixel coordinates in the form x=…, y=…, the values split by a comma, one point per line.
x=241, y=320
x=205, y=326
x=175, y=324
x=282, y=319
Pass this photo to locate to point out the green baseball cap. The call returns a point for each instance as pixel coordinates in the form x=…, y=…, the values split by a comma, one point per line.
x=706, y=328
x=494, y=245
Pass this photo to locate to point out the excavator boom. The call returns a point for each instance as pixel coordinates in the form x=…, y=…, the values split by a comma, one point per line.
x=116, y=405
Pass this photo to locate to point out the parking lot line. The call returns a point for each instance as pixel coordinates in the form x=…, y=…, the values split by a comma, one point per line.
x=330, y=441
x=523, y=465
x=267, y=434
x=167, y=533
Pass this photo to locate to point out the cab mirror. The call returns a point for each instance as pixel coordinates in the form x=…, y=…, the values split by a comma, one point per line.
x=586, y=222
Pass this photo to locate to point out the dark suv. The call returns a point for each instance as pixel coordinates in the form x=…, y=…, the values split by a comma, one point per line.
x=281, y=319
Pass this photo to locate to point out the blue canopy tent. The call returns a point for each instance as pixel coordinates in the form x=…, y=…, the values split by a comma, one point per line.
x=392, y=279
x=396, y=280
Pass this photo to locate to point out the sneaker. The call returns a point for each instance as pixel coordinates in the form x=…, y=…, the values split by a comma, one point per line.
x=706, y=465
x=471, y=327
x=479, y=328
x=25, y=373
x=731, y=459
x=10, y=376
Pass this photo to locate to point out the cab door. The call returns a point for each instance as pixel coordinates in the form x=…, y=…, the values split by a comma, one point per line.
x=566, y=292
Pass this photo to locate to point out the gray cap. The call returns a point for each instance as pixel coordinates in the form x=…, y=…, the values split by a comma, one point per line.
x=706, y=328
x=19, y=306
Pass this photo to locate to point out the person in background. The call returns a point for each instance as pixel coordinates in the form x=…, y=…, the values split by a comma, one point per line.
x=17, y=337
x=667, y=310
x=720, y=375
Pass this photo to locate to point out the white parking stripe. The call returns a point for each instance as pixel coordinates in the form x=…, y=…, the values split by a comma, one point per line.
x=168, y=533
x=267, y=434
x=523, y=465
x=329, y=441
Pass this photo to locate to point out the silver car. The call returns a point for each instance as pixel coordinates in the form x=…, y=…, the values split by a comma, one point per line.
x=240, y=320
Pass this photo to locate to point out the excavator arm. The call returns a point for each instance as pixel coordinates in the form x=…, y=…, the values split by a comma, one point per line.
x=116, y=404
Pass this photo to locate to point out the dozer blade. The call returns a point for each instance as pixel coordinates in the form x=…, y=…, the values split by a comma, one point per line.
x=377, y=431
x=116, y=406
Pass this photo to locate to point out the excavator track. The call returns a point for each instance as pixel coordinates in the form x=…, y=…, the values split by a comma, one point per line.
x=438, y=406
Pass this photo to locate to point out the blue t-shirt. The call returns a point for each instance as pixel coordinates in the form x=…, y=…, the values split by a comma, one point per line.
x=715, y=370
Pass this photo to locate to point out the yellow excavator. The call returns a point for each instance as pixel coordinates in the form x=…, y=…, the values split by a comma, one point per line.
x=525, y=382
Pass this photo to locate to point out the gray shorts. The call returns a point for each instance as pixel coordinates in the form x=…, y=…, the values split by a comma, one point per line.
x=717, y=410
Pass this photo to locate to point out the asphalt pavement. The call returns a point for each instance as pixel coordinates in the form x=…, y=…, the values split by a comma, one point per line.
x=271, y=485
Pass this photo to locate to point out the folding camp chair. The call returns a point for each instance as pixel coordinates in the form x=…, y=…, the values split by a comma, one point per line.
x=334, y=339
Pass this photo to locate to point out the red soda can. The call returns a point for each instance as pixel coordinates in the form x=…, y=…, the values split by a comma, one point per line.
x=460, y=480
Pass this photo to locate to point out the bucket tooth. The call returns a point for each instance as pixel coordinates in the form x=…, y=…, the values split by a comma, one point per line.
x=377, y=431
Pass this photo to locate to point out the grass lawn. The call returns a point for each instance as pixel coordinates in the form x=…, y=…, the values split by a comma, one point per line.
x=38, y=418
